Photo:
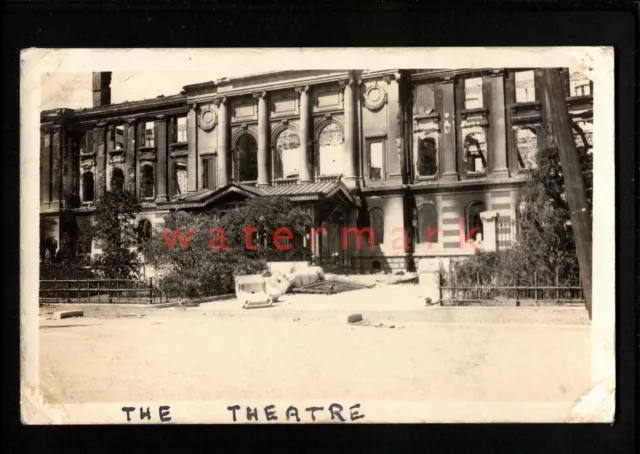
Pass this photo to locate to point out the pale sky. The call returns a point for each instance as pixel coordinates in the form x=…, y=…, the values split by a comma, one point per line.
x=73, y=90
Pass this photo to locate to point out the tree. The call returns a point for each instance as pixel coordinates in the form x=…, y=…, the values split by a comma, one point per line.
x=266, y=215
x=195, y=261
x=115, y=228
x=188, y=265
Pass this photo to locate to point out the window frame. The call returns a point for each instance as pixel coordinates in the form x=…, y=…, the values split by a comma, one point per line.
x=480, y=97
x=93, y=188
x=369, y=141
x=422, y=229
x=533, y=86
x=153, y=134
x=467, y=219
x=211, y=160
x=319, y=171
x=143, y=195
x=175, y=139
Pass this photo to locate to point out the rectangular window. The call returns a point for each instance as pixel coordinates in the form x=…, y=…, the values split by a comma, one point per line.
x=579, y=84
x=149, y=134
x=525, y=86
x=181, y=130
x=527, y=146
x=179, y=178
x=118, y=137
x=473, y=93
x=208, y=173
x=376, y=154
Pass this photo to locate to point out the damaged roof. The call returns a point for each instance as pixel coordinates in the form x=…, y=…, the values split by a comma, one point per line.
x=294, y=192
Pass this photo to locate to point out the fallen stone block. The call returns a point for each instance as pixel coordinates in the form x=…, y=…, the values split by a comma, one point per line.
x=354, y=318
x=67, y=314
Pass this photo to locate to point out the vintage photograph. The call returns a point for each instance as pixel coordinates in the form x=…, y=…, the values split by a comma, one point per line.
x=407, y=239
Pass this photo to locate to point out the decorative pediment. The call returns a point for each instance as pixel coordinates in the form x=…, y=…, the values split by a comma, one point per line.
x=526, y=112
x=474, y=117
x=426, y=123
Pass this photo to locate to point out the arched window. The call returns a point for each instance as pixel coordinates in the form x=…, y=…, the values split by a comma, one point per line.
x=117, y=179
x=475, y=150
x=287, y=154
x=147, y=184
x=247, y=153
x=427, y=162
x=88, y=187
x=330, y=150
x=427, y=223
x=376, y=221
x=144, y=230
x=473, y=220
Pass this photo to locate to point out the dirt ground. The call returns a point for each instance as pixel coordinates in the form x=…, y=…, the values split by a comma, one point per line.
x=303, y=348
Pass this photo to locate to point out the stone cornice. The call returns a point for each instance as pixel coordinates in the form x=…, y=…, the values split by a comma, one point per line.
x=225, y=88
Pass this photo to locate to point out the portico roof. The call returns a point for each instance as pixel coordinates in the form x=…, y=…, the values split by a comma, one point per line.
x=295, y=192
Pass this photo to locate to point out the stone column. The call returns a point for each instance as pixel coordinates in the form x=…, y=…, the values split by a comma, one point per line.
x=160, y=140
x=263, y=139
x=192, y=137
x=395, y=121
x=489, y=240
x=498, y=127
x=45, y=168
x=306, y=163
x=429, y=279
x=99, y=133
x=350, y=154
x=110, y=148
x=130, y=156
x=223, y=141
x=449, y=154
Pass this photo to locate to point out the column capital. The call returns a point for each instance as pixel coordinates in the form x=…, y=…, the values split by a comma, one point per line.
x=260, y=95
x=347, y=82
x=221, y=101
x=161, y=117
x=100, y=124
x=302, y=89
x=131, y=121
x=388, y=78
x=193, y=106
x=498, y=72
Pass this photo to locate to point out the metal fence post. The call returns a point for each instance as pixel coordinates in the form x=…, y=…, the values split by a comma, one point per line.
x=150, y=290
x=517, y=291
x=557, y=287
x=535, y=286
x=98, y=284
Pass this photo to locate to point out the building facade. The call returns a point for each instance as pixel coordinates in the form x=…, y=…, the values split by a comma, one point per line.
x=426, y=159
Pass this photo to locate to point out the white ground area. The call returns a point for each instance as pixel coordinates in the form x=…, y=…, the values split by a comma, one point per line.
x=302, y=349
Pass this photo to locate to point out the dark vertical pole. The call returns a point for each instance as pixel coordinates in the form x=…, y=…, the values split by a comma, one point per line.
x=98, y=283
x=557, y=287
x=151, y=290
x=558, y=128
x=535, y=286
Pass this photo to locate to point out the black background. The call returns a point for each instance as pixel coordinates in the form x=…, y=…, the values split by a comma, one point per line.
x=324, y=24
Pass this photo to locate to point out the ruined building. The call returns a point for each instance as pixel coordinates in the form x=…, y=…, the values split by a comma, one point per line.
x=394, y=150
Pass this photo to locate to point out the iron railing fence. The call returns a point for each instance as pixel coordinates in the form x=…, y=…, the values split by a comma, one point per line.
x=103, y=291
x=538, y=294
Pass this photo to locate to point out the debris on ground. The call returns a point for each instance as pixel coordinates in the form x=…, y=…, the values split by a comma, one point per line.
x=405, y=279
x=354, y=318
x=330, y=287
x=67, y=314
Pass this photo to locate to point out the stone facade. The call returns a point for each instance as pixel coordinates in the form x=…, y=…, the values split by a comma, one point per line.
x=426, y=159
